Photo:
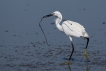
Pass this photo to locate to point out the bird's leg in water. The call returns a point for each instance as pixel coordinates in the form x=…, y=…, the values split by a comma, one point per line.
x=67, y=63
x=85, y=54
x=85, y=51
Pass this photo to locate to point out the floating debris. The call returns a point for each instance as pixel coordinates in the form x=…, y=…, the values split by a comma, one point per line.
x=52, y=23
x=36, y=33
x=6, y=31
x=14, y=35
x=104, y=23
x=83, y=8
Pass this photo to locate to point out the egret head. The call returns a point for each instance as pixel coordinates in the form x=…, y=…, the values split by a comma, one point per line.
x=56, y=14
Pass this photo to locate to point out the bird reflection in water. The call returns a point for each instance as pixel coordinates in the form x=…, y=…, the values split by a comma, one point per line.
x=70, y=69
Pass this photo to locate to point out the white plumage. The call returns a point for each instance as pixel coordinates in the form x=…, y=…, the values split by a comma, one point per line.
x=70, y=28
x=74, y=29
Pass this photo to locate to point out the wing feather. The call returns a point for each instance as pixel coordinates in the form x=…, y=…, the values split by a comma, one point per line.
x=72, y=28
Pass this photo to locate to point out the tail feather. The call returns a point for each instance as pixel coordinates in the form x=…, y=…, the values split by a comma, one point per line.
x=85, y=34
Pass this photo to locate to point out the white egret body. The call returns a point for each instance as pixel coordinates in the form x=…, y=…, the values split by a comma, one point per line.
x=71, y=29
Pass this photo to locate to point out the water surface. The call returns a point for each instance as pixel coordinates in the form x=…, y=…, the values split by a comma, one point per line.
x=22, y=44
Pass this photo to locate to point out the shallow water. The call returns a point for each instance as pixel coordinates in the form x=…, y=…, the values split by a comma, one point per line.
x=22, y=44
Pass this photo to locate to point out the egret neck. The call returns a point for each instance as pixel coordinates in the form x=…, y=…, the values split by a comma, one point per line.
x=57, y=21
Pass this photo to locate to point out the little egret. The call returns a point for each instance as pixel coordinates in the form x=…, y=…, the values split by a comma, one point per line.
x=71, y=29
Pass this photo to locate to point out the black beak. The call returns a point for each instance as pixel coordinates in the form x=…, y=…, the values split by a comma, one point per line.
x=48, y=15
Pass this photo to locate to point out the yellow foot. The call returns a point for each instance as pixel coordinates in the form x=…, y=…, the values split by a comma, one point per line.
x=67, y=63
x=86, y=55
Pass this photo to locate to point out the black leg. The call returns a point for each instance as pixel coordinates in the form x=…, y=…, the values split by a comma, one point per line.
x=85, y=52
x=72, y=51
x=87, y=42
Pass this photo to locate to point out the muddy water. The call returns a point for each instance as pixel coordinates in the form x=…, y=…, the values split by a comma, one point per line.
x=22, y=44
